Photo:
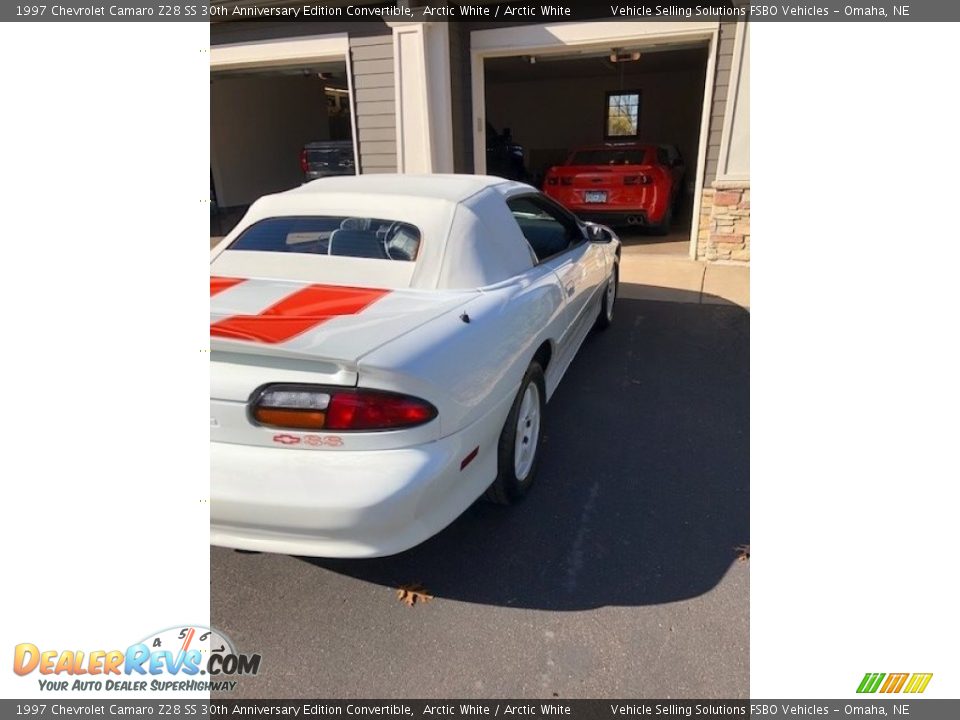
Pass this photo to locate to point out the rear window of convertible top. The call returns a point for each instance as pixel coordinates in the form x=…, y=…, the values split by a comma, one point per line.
x=359, y=237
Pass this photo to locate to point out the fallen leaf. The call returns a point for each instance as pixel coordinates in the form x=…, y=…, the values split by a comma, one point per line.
x=412, y=594
x=743, y=552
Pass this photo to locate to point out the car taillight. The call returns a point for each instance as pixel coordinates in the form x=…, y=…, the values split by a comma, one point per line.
x=636, y=180
x=567, y=180
x=369, y=410
x=301, y=407
x=292, y=407
x=304, y=165
x=551, y=181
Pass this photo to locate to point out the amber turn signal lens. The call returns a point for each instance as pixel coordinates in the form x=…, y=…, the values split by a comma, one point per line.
x=285, y=418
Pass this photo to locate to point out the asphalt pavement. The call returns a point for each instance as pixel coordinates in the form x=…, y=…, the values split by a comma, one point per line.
x=618, y=576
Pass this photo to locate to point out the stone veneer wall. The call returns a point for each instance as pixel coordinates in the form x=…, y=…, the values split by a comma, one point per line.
x=724, y=230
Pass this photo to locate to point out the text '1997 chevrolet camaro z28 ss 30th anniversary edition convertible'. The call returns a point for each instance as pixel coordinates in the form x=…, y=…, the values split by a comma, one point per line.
x=382, y=348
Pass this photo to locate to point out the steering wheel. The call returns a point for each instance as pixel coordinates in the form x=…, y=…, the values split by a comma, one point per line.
x=392, y=229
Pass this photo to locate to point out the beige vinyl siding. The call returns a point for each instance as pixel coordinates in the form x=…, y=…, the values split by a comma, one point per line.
x=721, y=85
x=376, y=107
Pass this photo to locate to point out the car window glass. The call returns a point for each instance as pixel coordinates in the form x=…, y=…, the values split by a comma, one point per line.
x=346, y=236
x=547, y=230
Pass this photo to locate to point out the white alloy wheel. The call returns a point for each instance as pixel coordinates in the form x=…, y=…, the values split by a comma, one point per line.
x=611, y=296
x=527, y=432
x=518, y=448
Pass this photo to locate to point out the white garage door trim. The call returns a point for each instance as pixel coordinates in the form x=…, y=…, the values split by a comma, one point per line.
x=293, y=51
x=733, y=115
x=558, y=38
x=421, y=70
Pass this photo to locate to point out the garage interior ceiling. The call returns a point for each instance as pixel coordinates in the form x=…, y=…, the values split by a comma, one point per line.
x=595, y=62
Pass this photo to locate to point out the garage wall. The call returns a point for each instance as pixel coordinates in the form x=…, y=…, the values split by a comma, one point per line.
x=548, y=117
x=258, y=127
x=376, y=107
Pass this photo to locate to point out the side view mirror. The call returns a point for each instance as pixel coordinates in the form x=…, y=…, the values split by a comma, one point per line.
x=598, y=233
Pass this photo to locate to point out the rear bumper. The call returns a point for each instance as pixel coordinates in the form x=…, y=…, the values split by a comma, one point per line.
x=648, y=208
x=612, y=217
x=350, y=504
x=317, y=174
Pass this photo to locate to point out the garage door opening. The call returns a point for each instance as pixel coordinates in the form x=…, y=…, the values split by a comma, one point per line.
x=541, y=108
x=273, y=129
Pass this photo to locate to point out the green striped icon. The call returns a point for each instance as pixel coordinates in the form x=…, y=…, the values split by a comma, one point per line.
x=871, y=682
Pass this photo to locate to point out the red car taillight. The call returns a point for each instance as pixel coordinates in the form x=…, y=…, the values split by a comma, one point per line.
x=367, y=410
x=636, y=180
x=304, y=165
x=306, y=407
x=551, y=181
x=567, y=180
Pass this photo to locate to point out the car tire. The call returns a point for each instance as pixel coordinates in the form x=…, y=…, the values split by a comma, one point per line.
x=607, y=305
x=663, y=227
x=516, y=469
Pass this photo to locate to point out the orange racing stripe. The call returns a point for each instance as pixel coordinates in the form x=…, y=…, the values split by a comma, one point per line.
x=219, y=284
x=296, y=313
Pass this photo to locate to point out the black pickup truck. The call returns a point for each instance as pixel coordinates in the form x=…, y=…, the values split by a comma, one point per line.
x=324, y=158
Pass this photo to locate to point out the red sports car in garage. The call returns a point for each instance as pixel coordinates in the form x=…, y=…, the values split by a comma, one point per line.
x=635, y=184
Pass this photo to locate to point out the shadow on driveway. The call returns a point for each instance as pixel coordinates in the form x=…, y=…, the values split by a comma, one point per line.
x=642, y=493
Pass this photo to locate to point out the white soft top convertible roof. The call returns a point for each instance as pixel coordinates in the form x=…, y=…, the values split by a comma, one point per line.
x=469, y=238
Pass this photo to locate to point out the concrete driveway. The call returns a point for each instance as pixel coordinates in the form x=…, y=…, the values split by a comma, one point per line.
x=617, y=577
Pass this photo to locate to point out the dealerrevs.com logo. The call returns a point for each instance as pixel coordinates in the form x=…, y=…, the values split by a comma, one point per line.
x=182, y=659
x=894, y=682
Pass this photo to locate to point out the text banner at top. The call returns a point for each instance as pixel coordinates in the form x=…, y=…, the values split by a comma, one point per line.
x=477, y=12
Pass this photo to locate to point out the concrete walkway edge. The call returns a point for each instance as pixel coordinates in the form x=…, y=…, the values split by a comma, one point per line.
x=679, y=279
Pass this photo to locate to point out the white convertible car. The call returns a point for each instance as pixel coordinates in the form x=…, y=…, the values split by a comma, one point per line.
x=382, y=348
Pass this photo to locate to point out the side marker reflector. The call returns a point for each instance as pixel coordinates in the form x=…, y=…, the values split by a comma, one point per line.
x=469, y=458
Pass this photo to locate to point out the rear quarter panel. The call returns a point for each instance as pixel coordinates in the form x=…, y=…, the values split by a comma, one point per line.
x=466, y=369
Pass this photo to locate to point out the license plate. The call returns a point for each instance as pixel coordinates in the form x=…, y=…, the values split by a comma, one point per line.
x=595, y=196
